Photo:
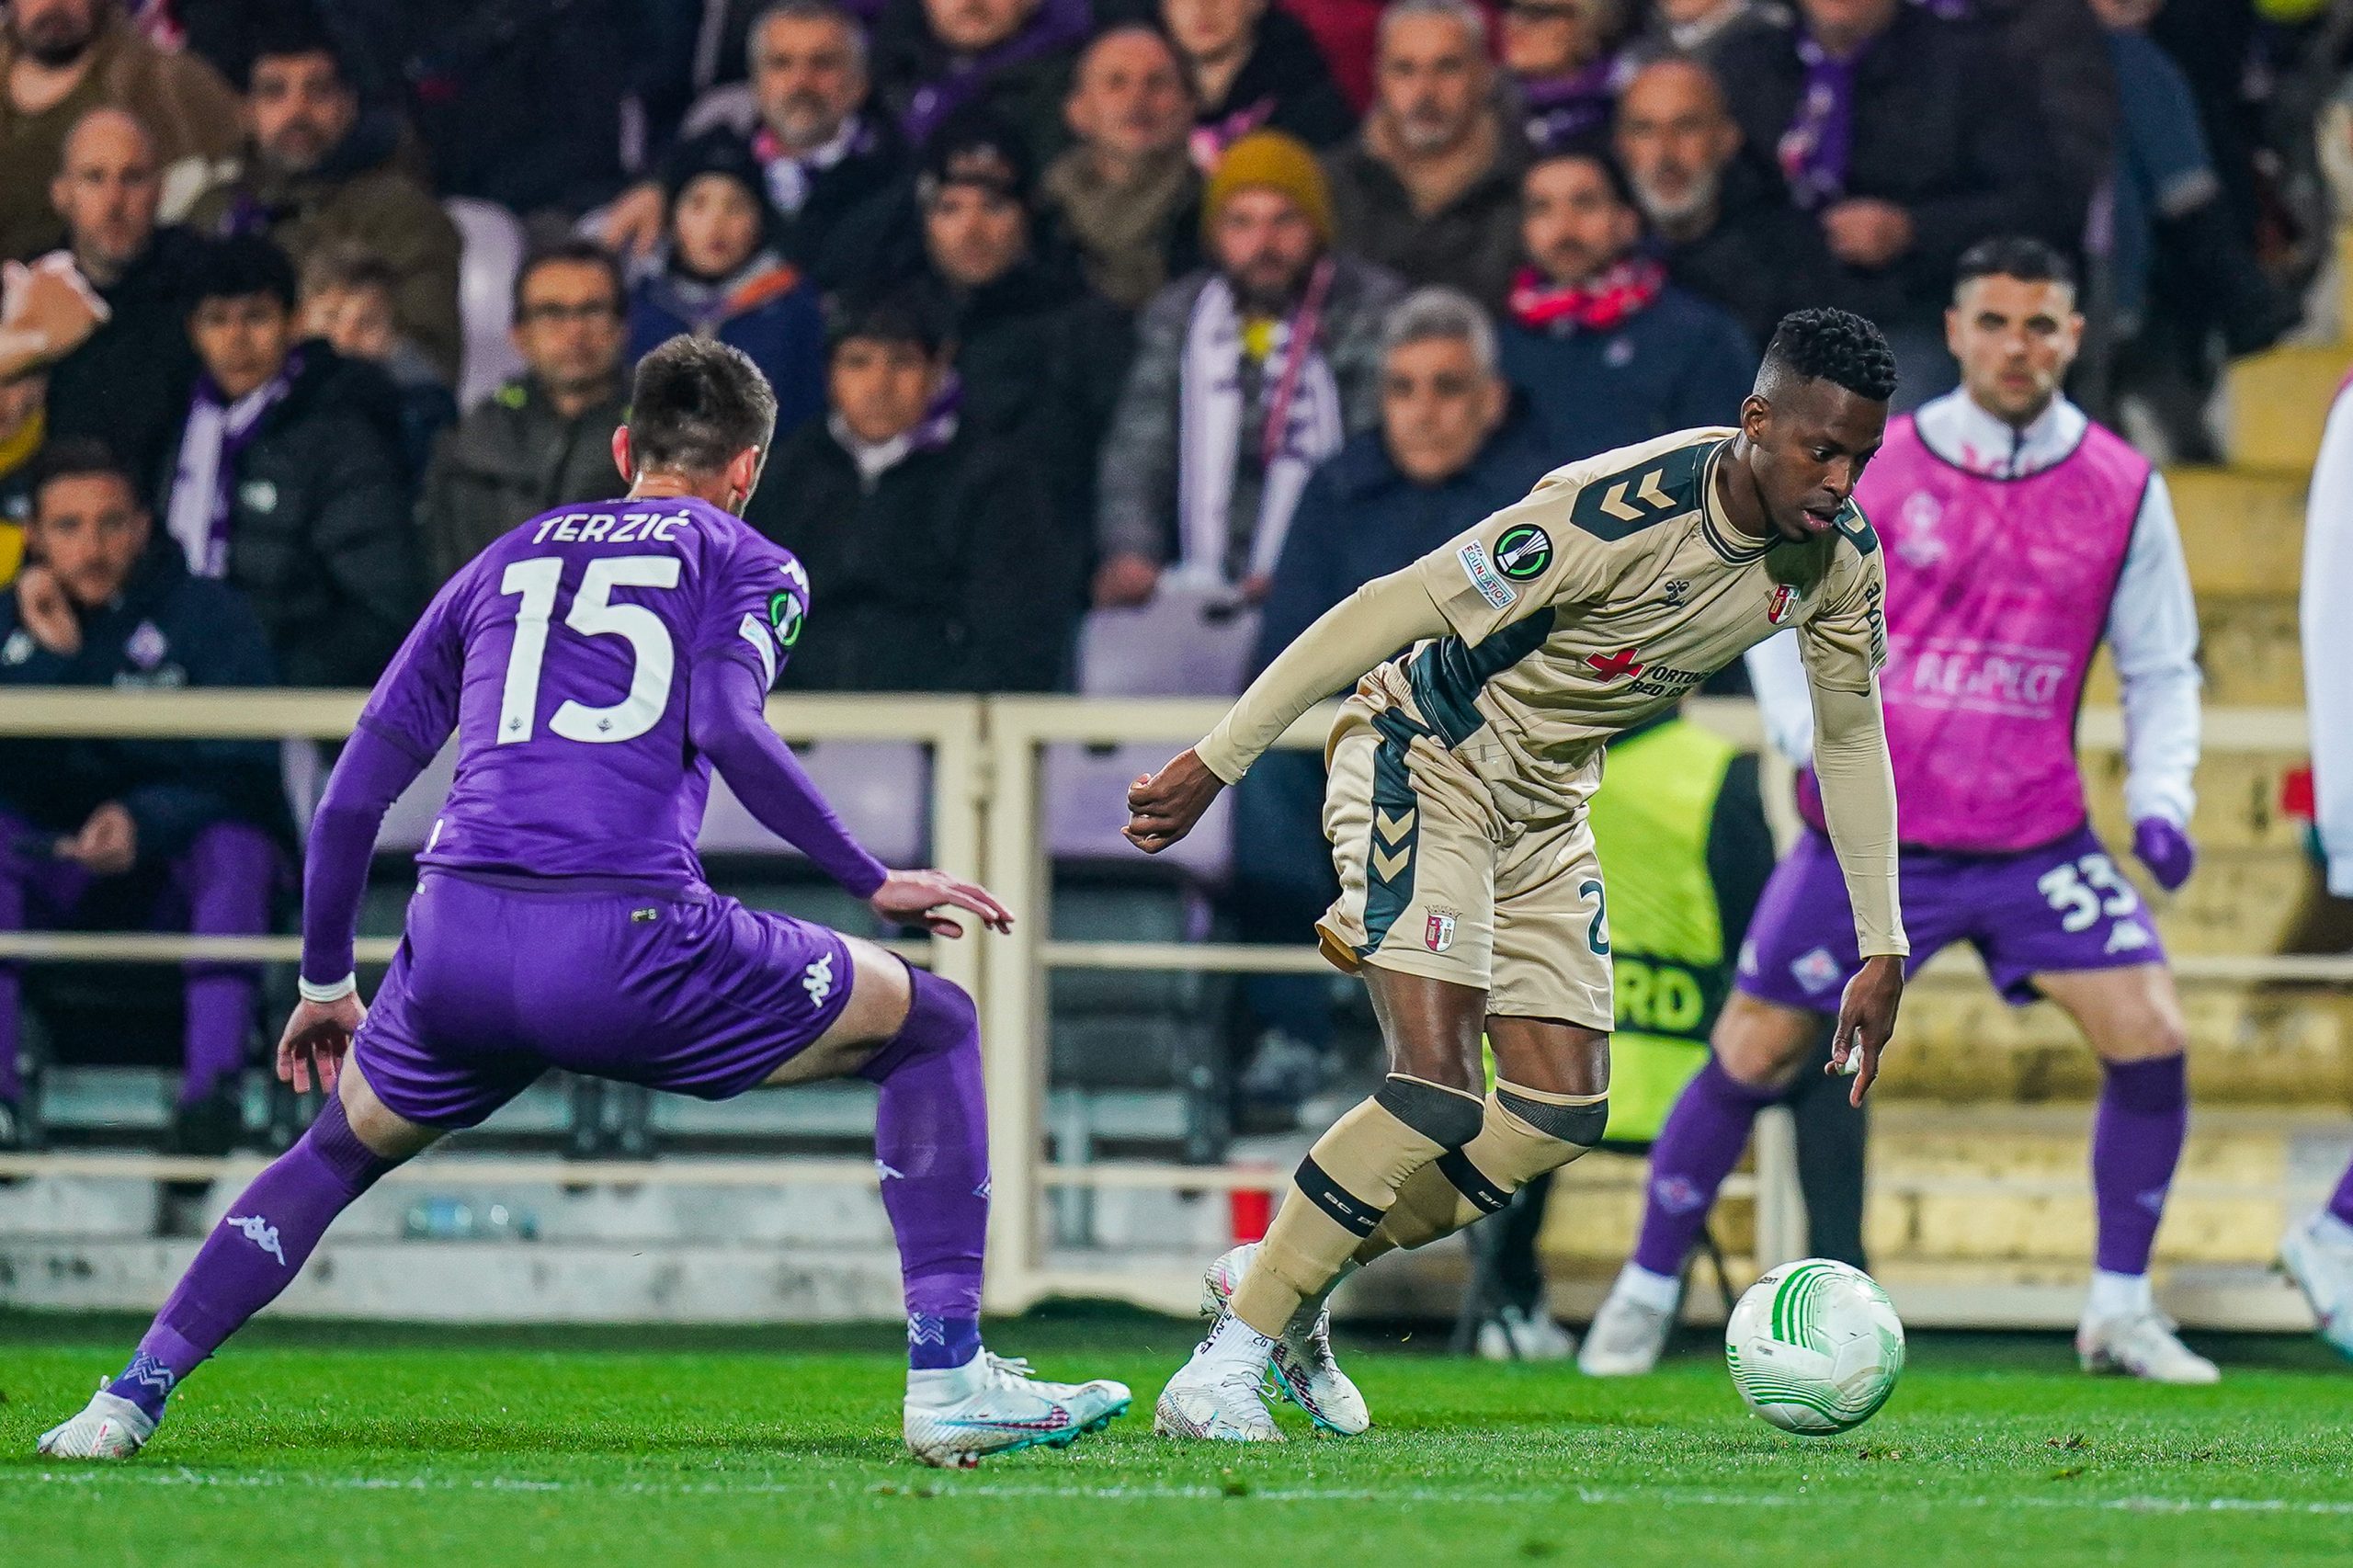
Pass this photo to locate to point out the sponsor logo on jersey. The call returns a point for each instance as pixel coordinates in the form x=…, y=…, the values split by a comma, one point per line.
x=1498, y=593
x=1816, y=971
x=259, y=1232
x=1614, y=666
x=1779, y=609
x=1438, y=932
x=1523, y=551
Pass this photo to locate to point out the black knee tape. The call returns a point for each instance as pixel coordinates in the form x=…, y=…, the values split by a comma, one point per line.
x=1445, y=1118
x=1356, y=1217
x=1578, y=1124
x=1471, y=1183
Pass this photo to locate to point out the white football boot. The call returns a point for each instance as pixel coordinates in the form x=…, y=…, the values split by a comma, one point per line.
x=110, y=1428
x=1629, y=1334
x=1517, y=1334
x=1305, y=1371
x=2318, y=1256
x=956, y=1416
x=1220, y=1395
x=2142, y=1345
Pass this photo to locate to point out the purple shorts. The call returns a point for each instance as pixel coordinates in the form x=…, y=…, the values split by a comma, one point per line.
x=2062, y=906
x=497, y=982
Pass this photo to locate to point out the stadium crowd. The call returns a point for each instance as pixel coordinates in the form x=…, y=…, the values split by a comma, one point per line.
x=1067, y=303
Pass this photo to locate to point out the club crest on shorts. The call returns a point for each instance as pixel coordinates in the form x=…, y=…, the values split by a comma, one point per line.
x=1438, y=931
x=1784, y=597
x=1816, y=971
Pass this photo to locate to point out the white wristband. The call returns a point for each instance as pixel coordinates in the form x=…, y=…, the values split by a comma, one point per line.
x=336, y=992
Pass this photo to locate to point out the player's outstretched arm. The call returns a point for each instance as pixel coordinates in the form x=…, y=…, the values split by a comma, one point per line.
x=1351, y=637
x=1858, y=806
x=727, y=721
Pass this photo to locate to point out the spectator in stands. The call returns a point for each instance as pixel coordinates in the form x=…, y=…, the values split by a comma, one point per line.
x=822, y=153
x=1907, y=138
x=1246, y=375
x=135, y=833
x=1430, y=188
x=318, y=171
x=2061, y=53
x=544, y=439
x=1253, y=68
x=1451, y=447
x=942, y=564
x=289, y=480
x=1724, y=229
x=932, y=57
x=1696, y=28
x=124, y=380
x=1605, y=349
x=1039, y=359
x=60, y=59
x=23, y=428
x=1563, y=66
x=347, y=298
x=1127, y=194
x=723, y=278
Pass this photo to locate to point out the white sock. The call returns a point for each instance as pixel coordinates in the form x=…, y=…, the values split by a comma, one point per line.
x=2118, y=1295
x=1232, y=1340
x=2332, y=1230
x=1656, y=1292
x=946, y=1385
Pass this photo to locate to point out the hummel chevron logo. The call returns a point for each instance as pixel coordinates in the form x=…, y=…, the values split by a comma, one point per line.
x=259, y=1232
x=1650, y=495
x=1393, y=848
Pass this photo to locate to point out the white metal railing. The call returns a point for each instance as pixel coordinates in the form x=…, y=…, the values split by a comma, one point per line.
x=986, y=822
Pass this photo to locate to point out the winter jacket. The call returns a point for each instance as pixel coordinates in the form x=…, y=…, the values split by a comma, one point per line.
x=128, y=383
x=167, y=630
x=1677, y=363
x=511, y=458
x=1471, y=244
x=918, y=79
x=946, y=572
x=1761, y=260
x=321, y=536
x=766, y=308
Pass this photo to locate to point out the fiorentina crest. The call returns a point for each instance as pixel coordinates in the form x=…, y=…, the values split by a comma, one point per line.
x=1438, y=932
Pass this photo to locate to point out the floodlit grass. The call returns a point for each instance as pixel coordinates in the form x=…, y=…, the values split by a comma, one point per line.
x=448, y=1449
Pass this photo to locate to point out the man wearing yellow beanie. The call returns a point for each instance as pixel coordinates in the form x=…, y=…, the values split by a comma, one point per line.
x=1247, y=374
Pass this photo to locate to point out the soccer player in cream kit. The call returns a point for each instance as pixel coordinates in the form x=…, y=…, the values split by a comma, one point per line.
x=1471, y=898
x=595, y=663
x=2019, y=536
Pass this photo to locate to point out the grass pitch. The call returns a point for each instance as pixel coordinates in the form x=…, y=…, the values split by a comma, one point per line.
x=322, y=1445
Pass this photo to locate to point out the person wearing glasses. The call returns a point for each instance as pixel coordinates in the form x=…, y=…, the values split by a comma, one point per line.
x=538, y=441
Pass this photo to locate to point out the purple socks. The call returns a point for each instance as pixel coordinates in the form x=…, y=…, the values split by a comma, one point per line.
x=931, y=1147
x=252, y=1255
x=2341, y=1204
x=1696, y=1150
x=2136, y=1141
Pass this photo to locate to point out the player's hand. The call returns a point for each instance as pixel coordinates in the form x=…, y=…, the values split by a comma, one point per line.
x=912, y=897
x=41, y=605
x=2165, y=850
x=315, y=1038
x=1125, y=581
x=108, y=845
x=1163, y=806
x=632, y=225
x=1864, y=232
x=50, y=306
x=1866, y=1020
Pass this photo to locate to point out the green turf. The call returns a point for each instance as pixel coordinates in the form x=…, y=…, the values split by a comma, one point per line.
x=434, y=1449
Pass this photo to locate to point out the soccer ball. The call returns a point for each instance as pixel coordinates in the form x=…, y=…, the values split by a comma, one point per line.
x=1814, y=1348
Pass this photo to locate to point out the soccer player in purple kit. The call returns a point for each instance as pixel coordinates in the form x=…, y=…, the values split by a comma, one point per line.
x=595, y=663
x=2019, y=536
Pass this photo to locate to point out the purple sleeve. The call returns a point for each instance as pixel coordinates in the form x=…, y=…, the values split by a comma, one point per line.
x=368, y=777
x=725, y=719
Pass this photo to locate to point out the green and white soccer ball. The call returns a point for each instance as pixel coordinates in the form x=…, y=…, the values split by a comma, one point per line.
x=1814, y=1348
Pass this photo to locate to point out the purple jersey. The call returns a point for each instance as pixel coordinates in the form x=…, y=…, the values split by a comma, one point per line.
x=561, y=657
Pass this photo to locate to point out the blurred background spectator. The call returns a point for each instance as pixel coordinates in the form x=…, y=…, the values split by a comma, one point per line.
x=24, y=421
x=1697, y=28
x=60, y=59
x=1127, y=193
x=290, y=481
x=319, y=170
x=1430, y=188
x=1607, y=351
x=1246, y=375
x=135, y=835
x=1254, y=68
x=944, y=567
x=722, y=276
x=932, y=57
x=347, y=298
x=1453, y=445
x=544, y=438
x=1562, y=65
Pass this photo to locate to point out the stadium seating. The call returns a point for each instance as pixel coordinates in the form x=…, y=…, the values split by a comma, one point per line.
x=493, y=254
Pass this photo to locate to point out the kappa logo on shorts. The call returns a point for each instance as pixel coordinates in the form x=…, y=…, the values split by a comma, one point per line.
x=818, y=981
x=1498, y=593
x=2125, y=936
x=1438, y=932
x=1816, y=971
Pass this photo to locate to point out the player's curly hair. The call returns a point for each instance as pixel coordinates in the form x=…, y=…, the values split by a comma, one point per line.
x=1833, y=345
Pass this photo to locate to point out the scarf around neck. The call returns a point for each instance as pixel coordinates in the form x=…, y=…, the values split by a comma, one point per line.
x=1057, y=24
x=1622, y=292
x=791, y=175
x=217, y=435
x=1121, y=230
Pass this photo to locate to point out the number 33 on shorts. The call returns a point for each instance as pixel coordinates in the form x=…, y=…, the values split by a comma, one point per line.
x=2084, y=890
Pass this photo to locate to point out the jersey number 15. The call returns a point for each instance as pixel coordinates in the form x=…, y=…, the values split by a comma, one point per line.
x=593, y=614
